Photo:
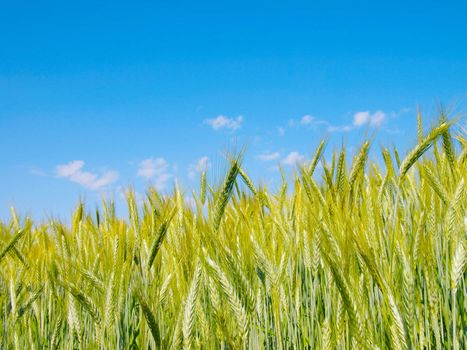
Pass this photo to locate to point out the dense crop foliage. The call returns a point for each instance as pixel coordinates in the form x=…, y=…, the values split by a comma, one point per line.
x=360, y=256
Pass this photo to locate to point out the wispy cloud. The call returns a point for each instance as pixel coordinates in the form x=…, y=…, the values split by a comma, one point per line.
x=148, y=168
x=266, y=157
x=74, y=172
x=224, y=122
x=156, y=170
x=360, y=119
x=339, y=128
x=293, y=158
x=377, y=119
x=201, y=165
x=37, y=172
x=307, y=119
x=365, y=117
x=280, y=131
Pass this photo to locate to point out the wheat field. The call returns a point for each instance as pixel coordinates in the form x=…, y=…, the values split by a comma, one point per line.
x=351, y=254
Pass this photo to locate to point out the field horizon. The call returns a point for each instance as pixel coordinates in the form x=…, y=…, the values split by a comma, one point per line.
x=361, y=255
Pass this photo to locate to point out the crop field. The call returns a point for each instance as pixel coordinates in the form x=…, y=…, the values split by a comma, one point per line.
x=352, y=253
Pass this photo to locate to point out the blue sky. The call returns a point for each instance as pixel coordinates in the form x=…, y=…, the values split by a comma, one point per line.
x=98, y=96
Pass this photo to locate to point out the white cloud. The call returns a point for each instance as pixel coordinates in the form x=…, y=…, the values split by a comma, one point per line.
x=222, y=121
x=160, y=182
x=341, y=128
x=201, y=165
x=403, y=111
x=293, y=158
x=269, y=156
x=74, y=172
x=377, y=119
x=156, y=170
x=374, y=120
x=365, y=117
x=280, y=131
x=361, y=118
x=69, y=169
x=307, y=119
x=148, y=168
x=101, y=181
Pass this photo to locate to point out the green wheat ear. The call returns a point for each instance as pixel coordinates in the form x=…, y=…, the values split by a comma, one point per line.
x=314, y=162
x=159, y=238
x=358, y=165
x=247, y=181
x=11, y=244
x=421, y=148
x=150, y=319
x=226, y=193
x=203, y=188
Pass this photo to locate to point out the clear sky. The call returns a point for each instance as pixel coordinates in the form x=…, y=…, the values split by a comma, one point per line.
x=99, y=95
